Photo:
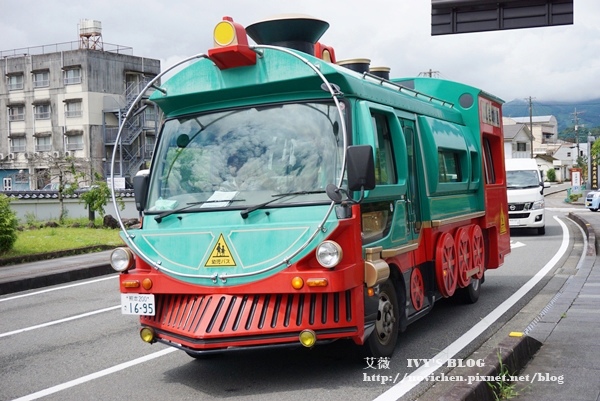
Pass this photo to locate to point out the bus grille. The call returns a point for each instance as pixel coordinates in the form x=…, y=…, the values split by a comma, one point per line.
x=222, y=315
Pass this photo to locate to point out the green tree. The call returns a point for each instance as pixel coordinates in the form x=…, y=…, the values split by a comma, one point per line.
x=551, y=175
x=8, y=225
x=96, y=198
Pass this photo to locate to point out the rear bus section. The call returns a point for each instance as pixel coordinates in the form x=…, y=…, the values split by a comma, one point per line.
x=295, y=199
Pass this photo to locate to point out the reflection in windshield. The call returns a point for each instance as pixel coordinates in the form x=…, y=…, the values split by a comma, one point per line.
x=522, y=179
x=247, y=154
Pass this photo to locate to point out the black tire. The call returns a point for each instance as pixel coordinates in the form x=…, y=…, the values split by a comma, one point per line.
x=470, y=294
x=382, y=341
x=594, y=210
x=541, y=230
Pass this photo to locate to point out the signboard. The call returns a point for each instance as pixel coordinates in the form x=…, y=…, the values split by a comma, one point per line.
x=576, y=181
x=461, y=16
x=119, y=182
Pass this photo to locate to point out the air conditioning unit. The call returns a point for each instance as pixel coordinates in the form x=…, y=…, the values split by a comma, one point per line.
x=68, y=153
x=56, y=153
x=1, y=156
x=28, y=155
x=11, y=156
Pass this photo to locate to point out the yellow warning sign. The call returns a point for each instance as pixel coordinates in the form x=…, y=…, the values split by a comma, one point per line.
x=220, y=255
x=502, y=221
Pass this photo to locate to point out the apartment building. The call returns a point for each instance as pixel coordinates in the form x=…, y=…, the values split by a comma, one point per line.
x=65, y=102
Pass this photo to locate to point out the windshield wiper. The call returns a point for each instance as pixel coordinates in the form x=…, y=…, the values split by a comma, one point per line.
x=189, y=205
x=244, y=213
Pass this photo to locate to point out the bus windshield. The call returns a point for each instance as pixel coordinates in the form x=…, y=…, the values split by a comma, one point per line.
x=241, y=157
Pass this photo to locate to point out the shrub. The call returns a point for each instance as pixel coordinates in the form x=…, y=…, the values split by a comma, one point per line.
x=551, y=175
x=8, y=225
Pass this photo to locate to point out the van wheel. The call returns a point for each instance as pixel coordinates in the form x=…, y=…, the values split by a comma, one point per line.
x=541, y=230
x=470, y=294
x=594, y=210
x=382, y=341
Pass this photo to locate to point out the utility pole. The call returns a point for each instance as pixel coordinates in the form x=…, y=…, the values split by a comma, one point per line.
x=576, y=121
x=430, y=73
x=530, y=99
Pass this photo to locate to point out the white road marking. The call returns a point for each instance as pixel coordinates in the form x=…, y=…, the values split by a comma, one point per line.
x=515, y=245
x=96, y=375
x=52, y=323
x=62, y=287
x=422, y=373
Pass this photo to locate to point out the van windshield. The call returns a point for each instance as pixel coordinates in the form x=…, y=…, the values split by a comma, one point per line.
x=522, y=179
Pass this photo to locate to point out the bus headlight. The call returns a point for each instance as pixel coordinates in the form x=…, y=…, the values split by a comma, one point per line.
x=121, y=259
x=329, y=254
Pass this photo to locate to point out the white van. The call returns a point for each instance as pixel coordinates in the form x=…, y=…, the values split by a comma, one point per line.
x=525, y=194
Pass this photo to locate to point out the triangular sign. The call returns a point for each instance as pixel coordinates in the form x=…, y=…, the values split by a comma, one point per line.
x=220, y=255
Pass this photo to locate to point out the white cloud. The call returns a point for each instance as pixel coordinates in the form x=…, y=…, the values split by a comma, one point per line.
x=556, y=63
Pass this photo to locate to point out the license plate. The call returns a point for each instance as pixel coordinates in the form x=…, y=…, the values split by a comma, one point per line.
x=138, y=304
x=514, y=222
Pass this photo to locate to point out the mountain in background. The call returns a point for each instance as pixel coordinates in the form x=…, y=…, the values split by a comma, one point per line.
x=588, y=112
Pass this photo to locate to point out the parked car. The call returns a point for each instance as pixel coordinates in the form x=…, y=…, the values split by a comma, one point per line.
x=592, y=200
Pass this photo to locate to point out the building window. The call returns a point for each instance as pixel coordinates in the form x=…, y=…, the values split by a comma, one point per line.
x=42, y=111
x=43, y=144
x=41, y=79
x=73, y=109
x=74, y=142
x=7, y=184
x=16, y=113
x=73, y=76
x=521, y=147
x=18, y=145
x=15, y=82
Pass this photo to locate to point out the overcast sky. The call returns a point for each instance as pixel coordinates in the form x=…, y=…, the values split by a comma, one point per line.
x=551, y=63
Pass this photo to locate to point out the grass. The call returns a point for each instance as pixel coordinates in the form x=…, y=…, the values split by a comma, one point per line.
x=32, y=241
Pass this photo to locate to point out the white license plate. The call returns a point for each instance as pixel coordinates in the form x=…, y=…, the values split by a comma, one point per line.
x=514, y=222
x=138, y=304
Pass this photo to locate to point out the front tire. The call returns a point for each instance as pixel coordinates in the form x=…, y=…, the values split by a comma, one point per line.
x=382, y=341
x=541, y=230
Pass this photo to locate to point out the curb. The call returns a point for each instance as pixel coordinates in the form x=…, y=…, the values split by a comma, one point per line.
x=514, y=352
x=54, y=279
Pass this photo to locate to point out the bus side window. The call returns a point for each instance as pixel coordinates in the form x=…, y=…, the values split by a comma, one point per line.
x=488, y=162
x=385, y=169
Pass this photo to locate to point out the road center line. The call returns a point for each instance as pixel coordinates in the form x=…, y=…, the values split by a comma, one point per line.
x=52, y=323
x=422, y=373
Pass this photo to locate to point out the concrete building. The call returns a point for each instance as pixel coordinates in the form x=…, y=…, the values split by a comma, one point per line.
x=544, y=130
x=64, y=103
x=517, y=141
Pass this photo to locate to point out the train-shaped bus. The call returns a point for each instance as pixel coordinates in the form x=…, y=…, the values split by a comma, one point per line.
x=294, y=198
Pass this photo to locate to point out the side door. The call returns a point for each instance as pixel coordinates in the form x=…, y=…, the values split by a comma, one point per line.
x=412, y=192
x=385, y=209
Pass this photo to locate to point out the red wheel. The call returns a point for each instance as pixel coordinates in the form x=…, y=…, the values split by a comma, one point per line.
x=477, y=251
x=445, y=265
x=463, y=253
x=417, y=289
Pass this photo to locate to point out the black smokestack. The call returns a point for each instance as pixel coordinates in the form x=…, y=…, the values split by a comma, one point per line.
x=295, y=31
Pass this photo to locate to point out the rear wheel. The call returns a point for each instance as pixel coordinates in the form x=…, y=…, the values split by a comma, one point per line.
x=470, y=294
x=382, y=341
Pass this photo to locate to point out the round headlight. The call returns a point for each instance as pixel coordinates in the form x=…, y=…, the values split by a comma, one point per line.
x=121, y=259
x=329, y=254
